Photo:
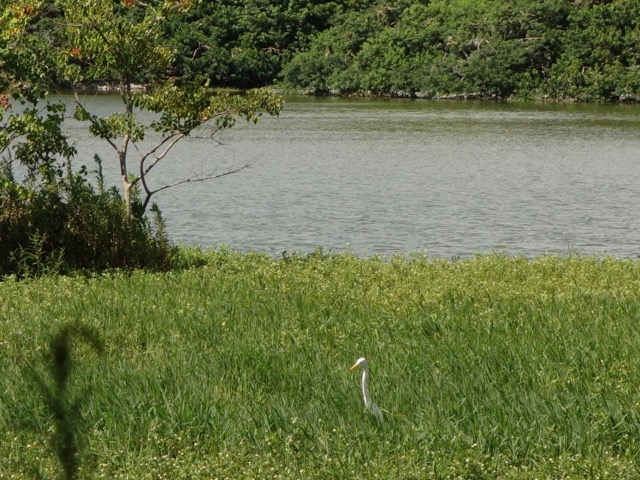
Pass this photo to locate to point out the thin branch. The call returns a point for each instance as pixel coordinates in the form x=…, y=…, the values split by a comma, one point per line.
x=142, y=177
x=7, y=147
x=172, y=141
x=104, y=38
x=200, y=47
x=530, y=39
x=199, y=178
x=192, y=179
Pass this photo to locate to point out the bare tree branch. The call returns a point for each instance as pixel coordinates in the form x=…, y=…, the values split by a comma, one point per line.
x=173, y=139
x=192, y=179
x=144, y=171
x=200, y=47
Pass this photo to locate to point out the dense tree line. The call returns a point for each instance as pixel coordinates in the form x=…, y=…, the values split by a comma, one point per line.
x=585, y=50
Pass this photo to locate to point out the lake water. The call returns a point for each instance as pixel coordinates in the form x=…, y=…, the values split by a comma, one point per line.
x=388, y=175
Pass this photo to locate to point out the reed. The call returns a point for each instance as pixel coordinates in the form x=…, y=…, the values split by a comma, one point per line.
x=491, y=367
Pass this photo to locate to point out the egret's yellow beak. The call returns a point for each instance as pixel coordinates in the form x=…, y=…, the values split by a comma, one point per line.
x=354, y=367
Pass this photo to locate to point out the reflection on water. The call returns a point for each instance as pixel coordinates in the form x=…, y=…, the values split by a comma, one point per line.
x=388, y=176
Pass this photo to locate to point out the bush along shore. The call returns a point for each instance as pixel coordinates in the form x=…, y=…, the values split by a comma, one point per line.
x=489, y=367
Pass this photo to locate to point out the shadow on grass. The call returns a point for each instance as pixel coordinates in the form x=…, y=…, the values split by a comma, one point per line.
x=66, y=408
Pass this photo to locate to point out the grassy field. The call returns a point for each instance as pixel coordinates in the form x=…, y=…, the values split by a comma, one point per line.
x=492, y=367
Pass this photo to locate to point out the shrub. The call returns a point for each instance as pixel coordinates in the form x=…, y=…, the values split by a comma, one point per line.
x=70, y=224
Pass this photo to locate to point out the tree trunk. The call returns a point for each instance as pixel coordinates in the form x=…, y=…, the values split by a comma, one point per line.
x=127, y=186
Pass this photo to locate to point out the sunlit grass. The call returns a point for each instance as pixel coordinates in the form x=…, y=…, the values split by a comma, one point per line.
x=493, y=367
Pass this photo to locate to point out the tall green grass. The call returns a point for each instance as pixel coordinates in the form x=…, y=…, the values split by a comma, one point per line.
x=492, y=367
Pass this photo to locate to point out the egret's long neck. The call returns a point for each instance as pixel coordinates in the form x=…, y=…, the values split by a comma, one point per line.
x=365, y=390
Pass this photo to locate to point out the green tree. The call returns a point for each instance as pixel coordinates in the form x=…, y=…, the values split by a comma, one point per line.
x=124, y=44
x=601, y=55
x=329, y=65
x=245, y=43
x=485, y=48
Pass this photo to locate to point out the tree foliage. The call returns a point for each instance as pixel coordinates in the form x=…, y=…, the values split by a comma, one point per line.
x=601, y=55
x=556, y=49
x=553, y=49
x=245, y=43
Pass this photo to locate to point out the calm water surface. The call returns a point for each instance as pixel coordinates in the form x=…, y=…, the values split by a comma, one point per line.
x=389, y=176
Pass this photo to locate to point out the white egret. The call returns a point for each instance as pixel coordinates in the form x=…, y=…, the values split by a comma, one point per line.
x=362, y=363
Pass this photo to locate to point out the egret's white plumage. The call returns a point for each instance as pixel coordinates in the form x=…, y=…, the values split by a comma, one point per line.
x=362, y=363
